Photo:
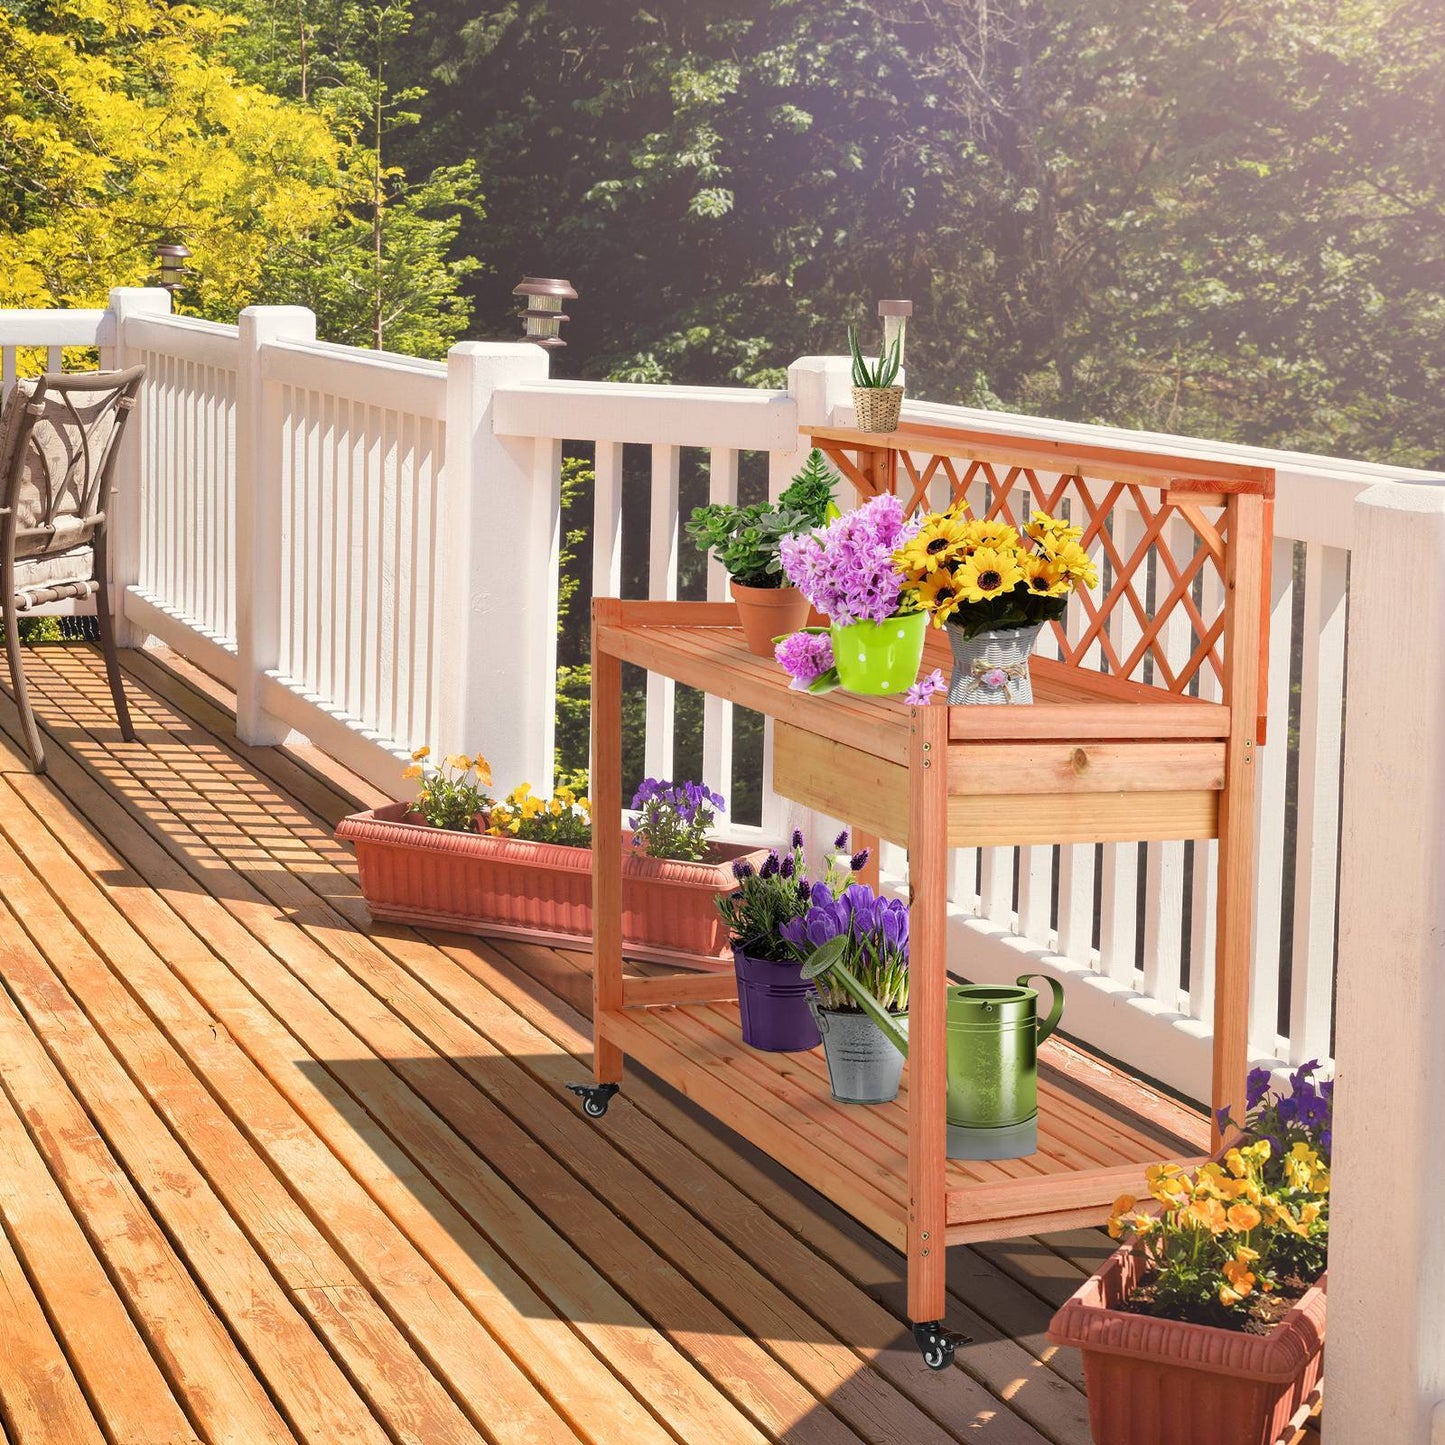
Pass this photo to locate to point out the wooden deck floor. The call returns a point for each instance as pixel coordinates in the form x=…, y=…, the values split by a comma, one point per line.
x=270, y=1173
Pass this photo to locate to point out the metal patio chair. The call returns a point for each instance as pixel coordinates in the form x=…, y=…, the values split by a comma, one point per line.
x=59, y=438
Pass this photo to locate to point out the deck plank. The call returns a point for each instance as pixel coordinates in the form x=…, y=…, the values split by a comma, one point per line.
x=371, y=1120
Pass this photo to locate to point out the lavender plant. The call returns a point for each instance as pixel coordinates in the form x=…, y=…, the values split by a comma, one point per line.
x=779, y=892
x=673, y=819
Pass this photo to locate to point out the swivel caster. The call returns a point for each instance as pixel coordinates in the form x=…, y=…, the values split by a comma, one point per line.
x=937, y=1344
x=595, y=1097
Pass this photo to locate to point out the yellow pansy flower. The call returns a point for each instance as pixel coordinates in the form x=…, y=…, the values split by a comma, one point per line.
x=420, y=753
x=412, y=772
x=1243, y=1217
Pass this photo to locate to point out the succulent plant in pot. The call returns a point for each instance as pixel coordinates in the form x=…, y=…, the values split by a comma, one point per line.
x=877, y=392
x=746, y=541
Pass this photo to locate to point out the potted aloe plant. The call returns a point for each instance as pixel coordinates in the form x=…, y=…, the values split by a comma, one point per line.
x=877, y=394
x=746, y=541
x=992, y=590
x=522, y=867
x=864, y=1067
x=849, y=572
x=1207, y=1327
x=773, y=999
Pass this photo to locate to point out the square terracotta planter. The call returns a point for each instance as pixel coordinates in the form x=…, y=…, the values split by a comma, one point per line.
x=1152, y=1380
x=514, y=888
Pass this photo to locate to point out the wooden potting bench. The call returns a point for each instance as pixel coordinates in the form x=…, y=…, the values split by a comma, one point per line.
x=1144, y=727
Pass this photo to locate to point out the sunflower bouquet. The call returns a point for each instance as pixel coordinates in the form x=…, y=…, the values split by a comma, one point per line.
x=981, y=575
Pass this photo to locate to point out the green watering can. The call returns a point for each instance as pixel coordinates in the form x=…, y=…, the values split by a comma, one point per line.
x=993, y=1069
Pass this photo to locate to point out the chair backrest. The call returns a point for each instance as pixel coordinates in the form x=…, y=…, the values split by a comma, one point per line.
x=59, y=438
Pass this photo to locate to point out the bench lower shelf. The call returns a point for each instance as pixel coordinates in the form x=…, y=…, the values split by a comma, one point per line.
x=1090, y=1150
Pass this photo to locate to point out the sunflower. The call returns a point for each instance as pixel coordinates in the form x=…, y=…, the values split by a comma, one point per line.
x=1051, y=530
x=940, y=595
x=995, y=535
x=939, y=540
x=988, y=573
x=1045, y=578
x=1072, y=558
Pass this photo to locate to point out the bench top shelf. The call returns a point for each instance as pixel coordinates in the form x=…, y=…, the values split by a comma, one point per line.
x=700, y=644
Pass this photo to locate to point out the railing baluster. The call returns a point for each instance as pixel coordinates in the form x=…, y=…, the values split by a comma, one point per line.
x=662, y=586
x=1273, y=764
x=717, y=715
x=1321, y=728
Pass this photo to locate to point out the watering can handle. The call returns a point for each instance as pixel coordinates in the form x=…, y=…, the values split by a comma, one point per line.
x=1056, y=1012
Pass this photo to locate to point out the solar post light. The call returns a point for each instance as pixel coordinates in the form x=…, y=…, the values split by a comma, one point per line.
x=542, y=320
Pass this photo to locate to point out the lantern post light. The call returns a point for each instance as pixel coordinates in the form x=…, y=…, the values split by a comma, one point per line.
x=542, y=320
x=895, y=316
x=171, y=256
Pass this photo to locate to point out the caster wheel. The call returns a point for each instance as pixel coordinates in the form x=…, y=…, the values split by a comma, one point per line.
x=595, y=1097
x=937, y=1344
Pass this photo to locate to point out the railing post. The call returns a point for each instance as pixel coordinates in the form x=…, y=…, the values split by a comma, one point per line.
x=497, y=582
x=1387, y=1234
x=817, y=384
x=116, y=352
x=258, y=523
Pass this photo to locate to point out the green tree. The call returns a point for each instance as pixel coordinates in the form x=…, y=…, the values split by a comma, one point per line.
x=384, y=274
x=120, y=125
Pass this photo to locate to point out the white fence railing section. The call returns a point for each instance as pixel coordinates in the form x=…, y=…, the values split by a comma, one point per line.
x=366, y=548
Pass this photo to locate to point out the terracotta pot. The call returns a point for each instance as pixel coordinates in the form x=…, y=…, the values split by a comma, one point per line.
x=513, y=888
x=1152, y=1380
x=768, y=612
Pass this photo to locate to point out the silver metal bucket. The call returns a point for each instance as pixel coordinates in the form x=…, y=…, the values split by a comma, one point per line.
x=863, y=1066
x=991, y=668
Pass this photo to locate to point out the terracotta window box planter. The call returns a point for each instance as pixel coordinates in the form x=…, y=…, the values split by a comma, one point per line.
x=513, y=888
x=1153, y=1380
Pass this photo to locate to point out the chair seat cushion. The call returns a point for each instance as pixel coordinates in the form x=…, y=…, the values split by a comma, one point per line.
x=70, y=571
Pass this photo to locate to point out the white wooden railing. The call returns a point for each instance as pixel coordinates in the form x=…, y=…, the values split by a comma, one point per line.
x=365, y=547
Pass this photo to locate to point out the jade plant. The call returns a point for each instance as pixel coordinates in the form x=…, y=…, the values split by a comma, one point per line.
x=746, y=540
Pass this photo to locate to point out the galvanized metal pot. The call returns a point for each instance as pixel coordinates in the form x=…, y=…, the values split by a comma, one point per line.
x=993, y=1066
x=864, y=1067
x=991, y=668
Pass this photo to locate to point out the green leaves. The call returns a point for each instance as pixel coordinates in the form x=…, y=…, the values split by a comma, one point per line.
x=745, y=540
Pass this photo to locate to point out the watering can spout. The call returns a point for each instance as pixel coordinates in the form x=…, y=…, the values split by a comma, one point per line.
x=828, y=959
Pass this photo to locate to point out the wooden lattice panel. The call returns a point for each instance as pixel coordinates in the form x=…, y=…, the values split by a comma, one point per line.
x=1161, y=543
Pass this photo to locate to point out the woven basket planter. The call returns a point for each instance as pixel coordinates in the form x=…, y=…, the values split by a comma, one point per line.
x=878, y=408
x=512, y=888
x=1152, y=1380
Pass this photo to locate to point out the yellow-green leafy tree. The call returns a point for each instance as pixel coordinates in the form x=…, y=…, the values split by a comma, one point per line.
x=121, y=126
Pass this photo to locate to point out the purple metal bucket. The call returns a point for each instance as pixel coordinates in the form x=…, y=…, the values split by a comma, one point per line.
x=773, y=1000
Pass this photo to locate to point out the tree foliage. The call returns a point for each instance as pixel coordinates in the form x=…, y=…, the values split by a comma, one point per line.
x=1212, y=216
x=122, y=125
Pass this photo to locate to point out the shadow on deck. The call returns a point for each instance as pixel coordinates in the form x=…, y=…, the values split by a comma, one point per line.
x=270, y=1173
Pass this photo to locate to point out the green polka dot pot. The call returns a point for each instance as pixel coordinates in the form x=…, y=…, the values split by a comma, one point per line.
x=880, y=659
